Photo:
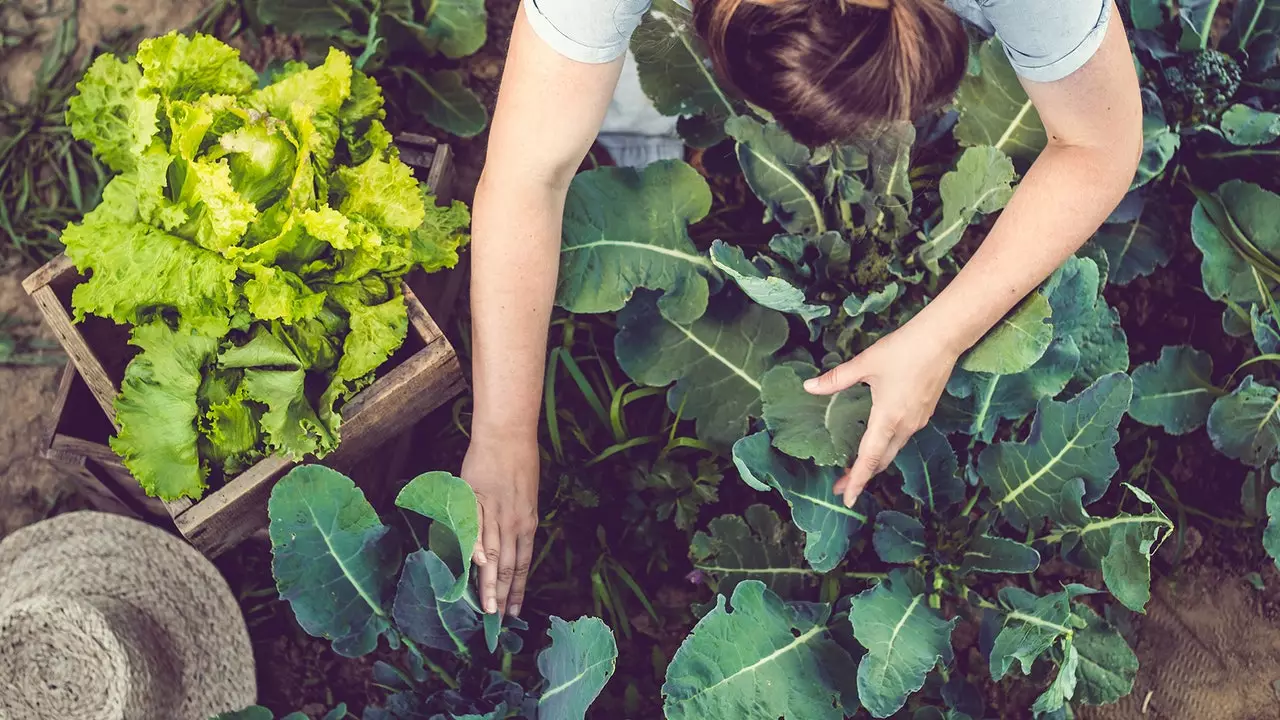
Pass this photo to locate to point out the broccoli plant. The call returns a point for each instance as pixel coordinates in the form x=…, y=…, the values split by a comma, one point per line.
x=1200, y=85
x=341, y=570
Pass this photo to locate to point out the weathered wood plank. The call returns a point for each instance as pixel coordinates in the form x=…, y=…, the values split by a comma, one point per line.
x=47, y=273
x=73, y=342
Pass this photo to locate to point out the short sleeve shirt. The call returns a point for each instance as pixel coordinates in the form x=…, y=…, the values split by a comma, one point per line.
x=1045, y=40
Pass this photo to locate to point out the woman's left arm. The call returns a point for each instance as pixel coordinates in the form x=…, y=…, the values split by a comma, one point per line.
x=1093, y=118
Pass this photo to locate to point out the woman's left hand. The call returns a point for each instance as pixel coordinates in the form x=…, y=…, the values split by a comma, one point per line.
x=907, y=371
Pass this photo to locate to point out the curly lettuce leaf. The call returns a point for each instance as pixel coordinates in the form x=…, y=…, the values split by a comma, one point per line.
x=261, y=159
x=384, y=192
x=233, y=436
x=377, y=331
x=276, y=294
x=112, y=113
x=221, y=215
x=324, y=88
x=290, y=423
x=137, y=268
x=435, y=243
x=178, y=67
x=157, y=410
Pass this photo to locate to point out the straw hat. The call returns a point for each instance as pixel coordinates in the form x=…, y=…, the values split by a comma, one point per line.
x=107, y=618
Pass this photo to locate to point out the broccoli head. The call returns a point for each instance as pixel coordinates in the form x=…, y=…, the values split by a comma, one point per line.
x=1200, y=86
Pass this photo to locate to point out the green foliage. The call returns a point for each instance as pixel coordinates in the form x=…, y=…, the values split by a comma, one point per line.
x=1201, y=86
x=336, y=564
x=392, y=40
x=255, y=239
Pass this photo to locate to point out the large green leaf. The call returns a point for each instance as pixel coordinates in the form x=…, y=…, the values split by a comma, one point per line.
x=898, y=538
x=1136, y=247
x=995, y=110
x=449, y=501
x=1072, y=439
x=333, y=560
x=1176, y=391
x=716, y=362
x=930, y=470
x=1271, y=536
x=1122, y=545
x=1243, y=125
x=1159, y=142
x=673, y=66
x=1016, y=342
x=1238, y=233
x=981, y=183
x=887, y=202
x=775, y=166
x=756, y=656
x=1031, y=627
x=1108, y=666
x=828, y=525
x=987, y=553
x=1082, y=316
x=904, y=639
x=1063, y=686
x=302, y=17
x=756, y=545
x=824, y=428
x=449, y=104
x=576, y=666
x=1245, y=425
x=420, y=611
x=769, y=290
x=457, y=26
x=625, y=229
x=975, y=402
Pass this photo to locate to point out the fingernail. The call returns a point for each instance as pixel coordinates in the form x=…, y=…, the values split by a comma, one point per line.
x=491, y=606
x=811, y=385
x=514, y=611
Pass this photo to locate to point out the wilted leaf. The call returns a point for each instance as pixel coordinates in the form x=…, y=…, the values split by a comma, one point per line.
x=1068, y=440
x=333, y=560
x=904, y=639
x=898, y=538
x=423, y=615
x=1122, y=545
x=981, y=183
x=1016, y=342
x=447, y=500
x=995, y=110
x=576, y=666
x=756, y=545
x=1063, y=686
x=716, y=362
x=626, y=229
x=824, y=428
x=1176, y=391
x=815, y=509
x=775, y=165
x=1031, y=627
x=756, y=656
x=770, y=291
x=930, y=470
x=986, y=553
x=1245, y=425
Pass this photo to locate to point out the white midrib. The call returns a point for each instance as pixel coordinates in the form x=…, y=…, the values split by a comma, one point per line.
x=712, y=352
x=1014, y=125
x=1045, y=469
x=791, y=179
x=796, y=642
x=981, y=417
x=560, y=688
x=757, y=571
x=1267, y=418
x=1133, y=231
x=897, y=629
x=1112, y=522
x=962, y=220
x=1033, y=620
x=333, y=552
x=678, y=30
x=694, y=259
x=1180, y=393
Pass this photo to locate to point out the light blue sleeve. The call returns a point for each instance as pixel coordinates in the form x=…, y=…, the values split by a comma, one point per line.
x=1047, y=40
x=589, y=31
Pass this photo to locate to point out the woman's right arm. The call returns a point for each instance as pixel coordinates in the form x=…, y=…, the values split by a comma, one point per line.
x=549, y=110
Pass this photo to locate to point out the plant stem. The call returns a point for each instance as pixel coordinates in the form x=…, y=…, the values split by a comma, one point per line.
x=1236, y=153
x=973, y=502
x=866, y=575
x=440, y=672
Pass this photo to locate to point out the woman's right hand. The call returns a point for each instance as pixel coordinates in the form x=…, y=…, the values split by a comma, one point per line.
x=503, y=472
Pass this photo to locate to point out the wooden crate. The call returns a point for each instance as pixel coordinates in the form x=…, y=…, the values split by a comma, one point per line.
x=423, y=375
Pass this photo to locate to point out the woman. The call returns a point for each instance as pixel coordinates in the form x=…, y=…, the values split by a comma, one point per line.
x=827, y=70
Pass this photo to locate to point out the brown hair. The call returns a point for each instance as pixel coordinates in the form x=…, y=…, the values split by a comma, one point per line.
x=836, y=69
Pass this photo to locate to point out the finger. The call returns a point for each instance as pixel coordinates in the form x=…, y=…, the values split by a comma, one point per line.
x=489, y=571
x=871, y=453
x=524, y=557
x=477, y=551
x=900, y=439
x=506, y=567
x=840, y=377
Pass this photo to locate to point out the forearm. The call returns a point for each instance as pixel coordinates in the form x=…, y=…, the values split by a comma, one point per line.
x=515, y=256
x=1065, y=196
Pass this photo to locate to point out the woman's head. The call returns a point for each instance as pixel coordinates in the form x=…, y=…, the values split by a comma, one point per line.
x=834, y=69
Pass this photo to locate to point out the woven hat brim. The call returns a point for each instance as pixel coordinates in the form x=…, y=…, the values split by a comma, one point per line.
x=92, y=554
